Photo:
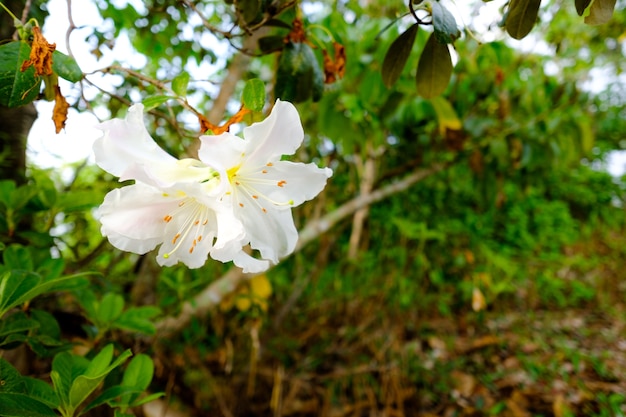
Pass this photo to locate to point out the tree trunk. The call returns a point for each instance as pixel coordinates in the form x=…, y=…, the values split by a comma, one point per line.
x=15, y=123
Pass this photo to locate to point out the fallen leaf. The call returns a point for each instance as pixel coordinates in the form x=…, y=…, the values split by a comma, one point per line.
x=478, y=300
x=464, y=383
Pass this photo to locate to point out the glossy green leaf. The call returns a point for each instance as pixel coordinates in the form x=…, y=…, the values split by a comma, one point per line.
x=299, y=76
x=65, y=368
x=600, y=12
x=180, y=84
x=40, y=391
x=17, y=287
x=138, y=374
x=521, y=17
x=14, y=287
x=397, y=55
x=98, y=369
x=253, y=96
x=17, y=88
x=434, y=68
x=66, y=67
x=22, y=405
x=152, y=102
x=581, y=6
x=444, y=23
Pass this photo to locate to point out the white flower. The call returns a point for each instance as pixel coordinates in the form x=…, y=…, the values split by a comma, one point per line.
x=239, y=193
x=173, y=202
x=261, y=188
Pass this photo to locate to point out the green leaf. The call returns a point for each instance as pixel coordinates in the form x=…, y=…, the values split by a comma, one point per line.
x=77, y=201
x=434, y=68
x=47, y=323
x=18, y=257
x=111, y=306
x=17, y=88
x=299, y=76
x=17, y=287
x=600, y=12
x=85, y=384
x=271, y=43
x=444, y=23
x=397, y=55
x=14, y=285
x=110, y=394
x=180, y=83
x=248, y=9
x=100, y=362
x=154, y=101
x=253, y=96
x=66, y=67
x=22, y=405
x=17, y=323
x=65, y=368
x=138, y=319
x=11, y=379
x=446, y=116
x=46, y=190
x=139, y=372
x=40, y=391
x=51, y=268
x=22, y=195
x=521, y=17
x=6, y=190
x=581, y=6
x=147, y=399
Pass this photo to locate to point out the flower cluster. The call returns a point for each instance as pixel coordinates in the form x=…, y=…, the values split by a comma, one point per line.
x=238, y=193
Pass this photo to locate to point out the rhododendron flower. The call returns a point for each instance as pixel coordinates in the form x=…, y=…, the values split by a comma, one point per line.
x=238, y=193
x=173, y=202
x=262, y=189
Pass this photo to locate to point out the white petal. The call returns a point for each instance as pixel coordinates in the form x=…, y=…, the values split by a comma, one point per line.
x=221, y=152
x=132, y=217
x=170, y=174
x=279, y=134
x=126, y=143
x=270, y=231
x=285, y=183
x=234, y=252
x=189, y=237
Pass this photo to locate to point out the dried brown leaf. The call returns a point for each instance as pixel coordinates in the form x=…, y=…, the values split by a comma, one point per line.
x=59, y=114
x=40, y=54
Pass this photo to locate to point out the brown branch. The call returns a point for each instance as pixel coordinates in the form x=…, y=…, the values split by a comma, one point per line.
x=215, y=292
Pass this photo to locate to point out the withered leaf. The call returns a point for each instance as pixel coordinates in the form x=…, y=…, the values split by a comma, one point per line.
x=59, y=114
x=40, y=54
